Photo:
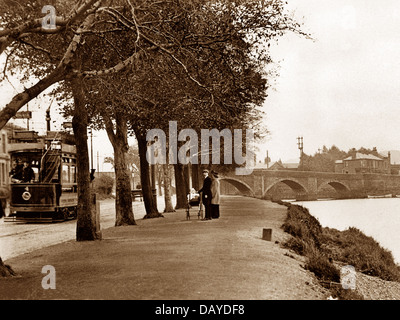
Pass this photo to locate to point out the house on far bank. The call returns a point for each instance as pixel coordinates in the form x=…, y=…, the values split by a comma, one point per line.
x=364, y=163
x=279, y=165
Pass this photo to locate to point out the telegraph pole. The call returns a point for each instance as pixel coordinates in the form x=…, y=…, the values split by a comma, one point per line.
x=98, y=167
x=92, y=170
x=48, y=118
x=91, y=149
x=27, y=119
x=300, y=146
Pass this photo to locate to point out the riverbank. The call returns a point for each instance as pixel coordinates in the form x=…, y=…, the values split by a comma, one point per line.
x=377, y=218
x=328, y=250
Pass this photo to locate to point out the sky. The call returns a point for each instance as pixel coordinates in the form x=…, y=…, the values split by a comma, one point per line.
x=341, y=88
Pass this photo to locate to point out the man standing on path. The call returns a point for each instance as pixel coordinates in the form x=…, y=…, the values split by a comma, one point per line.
x=206, y=195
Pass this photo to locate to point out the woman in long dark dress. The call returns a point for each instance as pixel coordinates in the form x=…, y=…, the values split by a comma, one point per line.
x=215, y=195
x=206, y=195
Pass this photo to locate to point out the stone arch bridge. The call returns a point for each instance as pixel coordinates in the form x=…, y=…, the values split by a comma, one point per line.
x=307, y=185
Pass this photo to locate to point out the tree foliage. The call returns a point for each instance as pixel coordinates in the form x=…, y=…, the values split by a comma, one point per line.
x=179, y=31
x=323, y=161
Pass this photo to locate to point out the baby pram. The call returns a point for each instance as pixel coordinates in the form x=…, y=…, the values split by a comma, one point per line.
x=194, y=200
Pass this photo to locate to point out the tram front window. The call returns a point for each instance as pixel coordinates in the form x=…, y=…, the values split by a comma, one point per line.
x=24, y=170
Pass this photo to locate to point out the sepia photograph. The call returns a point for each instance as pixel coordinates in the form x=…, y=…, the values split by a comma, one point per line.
x=199, y=158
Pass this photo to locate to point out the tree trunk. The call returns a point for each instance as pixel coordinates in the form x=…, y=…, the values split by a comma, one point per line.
x=160, y=178
x=167, y=188
x=6, y=270
x=195, y=177
x=181, y=196
x=123, y=202
x=145, y=179
x=86, y=223
x=187, y=177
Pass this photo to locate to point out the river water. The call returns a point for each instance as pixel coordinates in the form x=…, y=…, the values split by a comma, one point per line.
x=378, y=218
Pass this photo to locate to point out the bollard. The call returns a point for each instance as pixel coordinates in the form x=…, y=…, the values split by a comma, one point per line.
x=267, y=234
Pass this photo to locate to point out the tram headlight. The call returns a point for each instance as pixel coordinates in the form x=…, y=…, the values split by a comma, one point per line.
x=26, y=195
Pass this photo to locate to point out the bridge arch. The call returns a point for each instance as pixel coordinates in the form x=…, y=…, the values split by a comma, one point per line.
x=296, y=186
x=341, y=188
x=243, y=187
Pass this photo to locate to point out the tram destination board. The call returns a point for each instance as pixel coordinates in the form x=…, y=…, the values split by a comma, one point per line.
x=23, y=115
x=25, y=135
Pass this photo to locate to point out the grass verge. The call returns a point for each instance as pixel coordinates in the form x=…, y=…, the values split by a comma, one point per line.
x=323, y=246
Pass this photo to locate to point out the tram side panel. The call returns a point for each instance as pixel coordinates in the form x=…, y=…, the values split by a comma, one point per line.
x=68, y=202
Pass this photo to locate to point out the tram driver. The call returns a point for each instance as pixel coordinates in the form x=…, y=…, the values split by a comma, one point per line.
x=27, y=172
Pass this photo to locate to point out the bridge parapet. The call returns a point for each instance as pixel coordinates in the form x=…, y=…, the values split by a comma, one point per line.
x=307, y=185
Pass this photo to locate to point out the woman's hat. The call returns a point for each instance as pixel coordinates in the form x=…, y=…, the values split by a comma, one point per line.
x=215, y=174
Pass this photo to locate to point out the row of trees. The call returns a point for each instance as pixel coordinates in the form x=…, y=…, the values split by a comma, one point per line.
x=128, y=66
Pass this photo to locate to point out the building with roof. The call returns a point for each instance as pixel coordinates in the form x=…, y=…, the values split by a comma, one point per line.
x=279, y=165
x=6, y=134
x=359, y=162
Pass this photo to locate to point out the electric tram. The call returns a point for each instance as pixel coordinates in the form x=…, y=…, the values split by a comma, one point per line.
x=43, y=179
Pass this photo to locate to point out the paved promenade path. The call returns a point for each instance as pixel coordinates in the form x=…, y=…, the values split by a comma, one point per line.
x=172, y=258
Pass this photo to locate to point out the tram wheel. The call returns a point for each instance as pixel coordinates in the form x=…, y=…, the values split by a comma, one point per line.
x=62, y=214
x=74, y=211
x=65, y=213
